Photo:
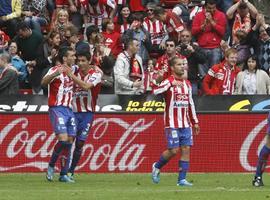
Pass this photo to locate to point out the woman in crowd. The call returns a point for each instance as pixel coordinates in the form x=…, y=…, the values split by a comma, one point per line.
x=123, y=20
x=252, y=80
x=61, y=22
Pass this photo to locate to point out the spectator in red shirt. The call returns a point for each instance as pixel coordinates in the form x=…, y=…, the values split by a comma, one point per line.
x=209, y=28
x=112, y=38
x=221, y=78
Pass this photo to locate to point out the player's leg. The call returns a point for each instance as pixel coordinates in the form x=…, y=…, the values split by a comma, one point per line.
x=173, y=149
x=66, y=152
x=185, y=143
x=262, y=161
x=58, y=123
x=83, y=121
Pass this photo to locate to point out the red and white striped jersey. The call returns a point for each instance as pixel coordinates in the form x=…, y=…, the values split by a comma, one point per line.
x=174, y=24
x=156, y=29
x=120, y=28
x=60, y=89
x=180, y=109
x=100, y=11
x=85, y=101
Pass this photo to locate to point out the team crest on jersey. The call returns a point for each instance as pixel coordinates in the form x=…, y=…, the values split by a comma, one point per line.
x=181, y=97
x=219, y=75
x=61, y=121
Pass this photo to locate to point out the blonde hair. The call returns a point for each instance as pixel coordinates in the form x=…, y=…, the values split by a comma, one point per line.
x=230, y=51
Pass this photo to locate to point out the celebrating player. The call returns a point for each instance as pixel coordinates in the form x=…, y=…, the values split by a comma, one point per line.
x=86, y=89
x=60, y=90
x=180, y=116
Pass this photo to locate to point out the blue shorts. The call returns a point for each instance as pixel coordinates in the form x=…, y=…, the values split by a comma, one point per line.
x=62, y=120
x=83, y=122
x=177, y=137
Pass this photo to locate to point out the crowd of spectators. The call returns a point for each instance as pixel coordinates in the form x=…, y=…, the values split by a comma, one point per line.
x=226, y=43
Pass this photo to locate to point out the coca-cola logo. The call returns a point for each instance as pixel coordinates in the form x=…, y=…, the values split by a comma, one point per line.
x=247, y=145
x=32, y=150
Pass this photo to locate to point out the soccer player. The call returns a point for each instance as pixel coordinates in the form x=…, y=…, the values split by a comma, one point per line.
x=180, y=117
x=86, y=89
x=262, y=160
x=60, y=91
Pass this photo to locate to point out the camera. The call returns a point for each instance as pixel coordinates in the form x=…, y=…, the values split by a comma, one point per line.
x=183, y=46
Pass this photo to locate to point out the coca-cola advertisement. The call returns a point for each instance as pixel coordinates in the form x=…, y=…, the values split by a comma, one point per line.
x=132, y=142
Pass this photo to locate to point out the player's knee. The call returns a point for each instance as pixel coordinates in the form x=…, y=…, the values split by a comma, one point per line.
x=174, y=151
x=185, y=151
x=79, y=144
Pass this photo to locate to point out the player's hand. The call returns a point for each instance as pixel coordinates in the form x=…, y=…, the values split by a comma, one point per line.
x=196, y=129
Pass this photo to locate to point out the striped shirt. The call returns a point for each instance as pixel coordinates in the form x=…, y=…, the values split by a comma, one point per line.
x=60, y=89
x=85, y=101
x=156, y=29
x=180, y=109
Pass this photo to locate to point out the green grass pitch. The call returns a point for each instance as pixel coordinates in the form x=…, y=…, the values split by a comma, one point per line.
x=216, y=186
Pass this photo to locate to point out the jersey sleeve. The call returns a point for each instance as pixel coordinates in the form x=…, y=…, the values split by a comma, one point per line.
x=163, y=87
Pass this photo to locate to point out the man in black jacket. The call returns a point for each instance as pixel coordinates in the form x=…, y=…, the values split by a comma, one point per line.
x=194, y=55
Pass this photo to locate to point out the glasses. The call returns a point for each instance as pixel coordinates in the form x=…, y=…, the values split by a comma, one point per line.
x=170, y=45
x=149, y=10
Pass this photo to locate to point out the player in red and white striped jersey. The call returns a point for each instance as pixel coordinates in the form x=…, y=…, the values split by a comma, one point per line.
x=180, y=117
x=60, y=87
x=86, y=89
x=84, y=100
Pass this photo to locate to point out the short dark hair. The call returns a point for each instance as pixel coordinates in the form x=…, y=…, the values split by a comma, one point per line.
x=91, y=29
x=22, y=26
x=128, y=41
x=170, y=40
x=85, y=54
x=63, y=52
x=210, y=2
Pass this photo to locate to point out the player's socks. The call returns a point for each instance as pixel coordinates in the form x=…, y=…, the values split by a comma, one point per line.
x=161, y=162
x=183, y=168
x=65, y=159
x=75, y=159
x=56, y=152
x=263, y=156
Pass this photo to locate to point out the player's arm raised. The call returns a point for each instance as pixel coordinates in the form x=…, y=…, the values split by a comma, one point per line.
x=50, y=76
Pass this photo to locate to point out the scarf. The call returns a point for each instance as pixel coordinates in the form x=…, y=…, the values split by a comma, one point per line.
x=239, y=23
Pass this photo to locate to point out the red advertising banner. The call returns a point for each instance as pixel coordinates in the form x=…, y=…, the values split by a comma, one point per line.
x=132, y=142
